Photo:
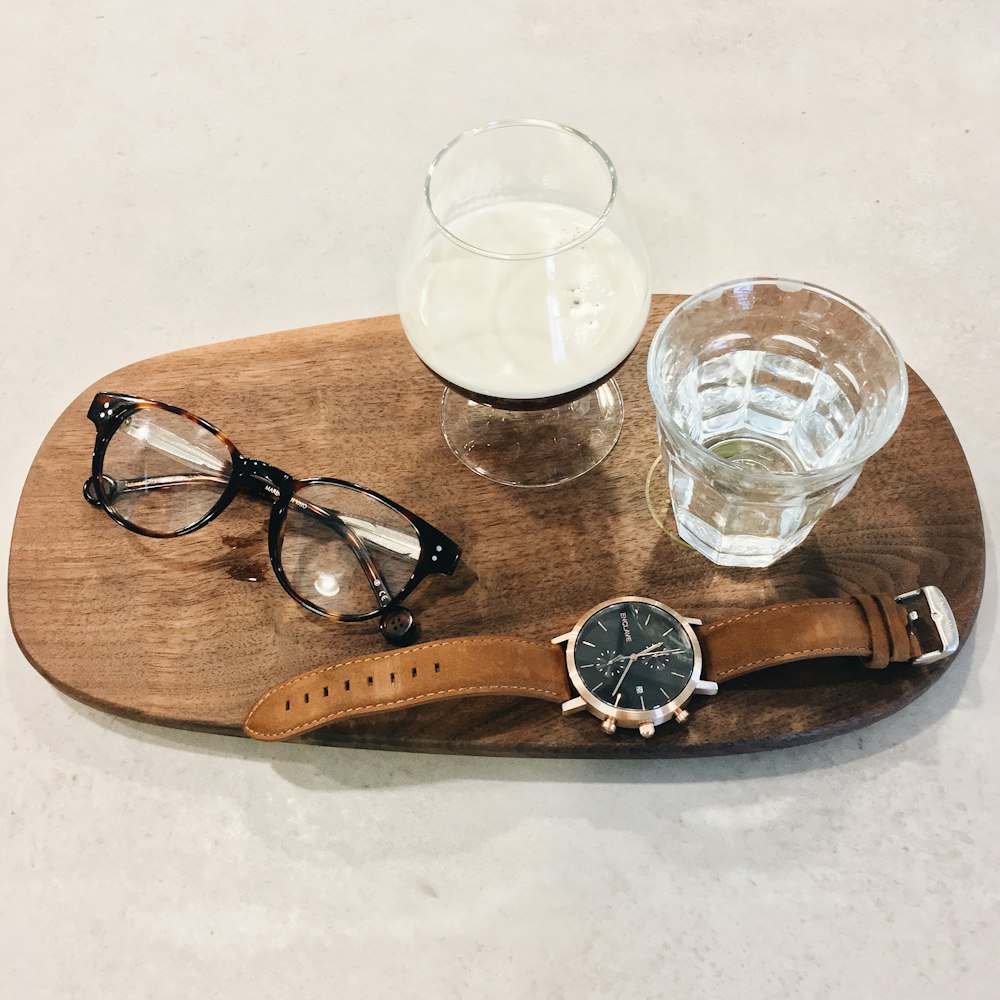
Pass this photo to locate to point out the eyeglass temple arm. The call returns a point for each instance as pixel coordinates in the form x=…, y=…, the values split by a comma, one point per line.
x=387, y=538
x=122, y=486
x=261, y=487
x=257, y=486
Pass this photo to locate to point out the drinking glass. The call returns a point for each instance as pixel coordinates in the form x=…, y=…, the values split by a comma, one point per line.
x=770, y=396
x=524, y=287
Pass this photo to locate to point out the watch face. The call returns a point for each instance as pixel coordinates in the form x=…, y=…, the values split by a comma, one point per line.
x=635, y=657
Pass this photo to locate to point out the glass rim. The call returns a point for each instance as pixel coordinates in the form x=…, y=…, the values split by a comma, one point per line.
x=838, y=470
x=522, y=123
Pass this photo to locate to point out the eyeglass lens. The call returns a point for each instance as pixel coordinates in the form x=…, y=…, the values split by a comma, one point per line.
x=322, y=569
x=167, y=472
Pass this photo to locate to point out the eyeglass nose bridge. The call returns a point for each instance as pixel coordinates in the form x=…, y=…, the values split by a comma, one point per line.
x=265, y=480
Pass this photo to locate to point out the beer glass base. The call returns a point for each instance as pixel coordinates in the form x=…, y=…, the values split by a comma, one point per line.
x=533, y=448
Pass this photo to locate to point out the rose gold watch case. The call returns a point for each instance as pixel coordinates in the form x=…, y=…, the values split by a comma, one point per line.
x=631, y=718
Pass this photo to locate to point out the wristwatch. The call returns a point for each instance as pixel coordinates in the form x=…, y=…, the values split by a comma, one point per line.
x=632, y=662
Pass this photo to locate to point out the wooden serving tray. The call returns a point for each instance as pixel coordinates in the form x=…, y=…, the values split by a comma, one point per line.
x=189, y=632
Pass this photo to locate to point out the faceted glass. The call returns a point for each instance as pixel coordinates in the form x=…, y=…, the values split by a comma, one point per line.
x=770, y=396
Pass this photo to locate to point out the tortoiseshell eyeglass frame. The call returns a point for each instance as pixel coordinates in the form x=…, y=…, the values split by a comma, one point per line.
x=438, y=553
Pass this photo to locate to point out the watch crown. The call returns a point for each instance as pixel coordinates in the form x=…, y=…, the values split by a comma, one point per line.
x=647, y=729
x=681, y=714
x=608, y=725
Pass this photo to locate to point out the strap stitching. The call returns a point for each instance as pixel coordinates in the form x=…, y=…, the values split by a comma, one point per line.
x=316, y=723
x=821, y=602
x=786, y=657
x=384, y=658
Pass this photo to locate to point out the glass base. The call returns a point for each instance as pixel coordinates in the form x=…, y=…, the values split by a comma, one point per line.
x=730, y=550
x=533, y=448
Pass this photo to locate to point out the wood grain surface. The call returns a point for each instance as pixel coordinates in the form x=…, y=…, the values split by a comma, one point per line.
x=189, y=632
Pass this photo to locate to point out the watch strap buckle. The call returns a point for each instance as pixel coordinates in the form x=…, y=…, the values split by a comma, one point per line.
x=942, y=618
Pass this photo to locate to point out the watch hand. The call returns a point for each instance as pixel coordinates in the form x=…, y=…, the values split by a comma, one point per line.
x=628, y=667
x=632, y=658
x=650, y=651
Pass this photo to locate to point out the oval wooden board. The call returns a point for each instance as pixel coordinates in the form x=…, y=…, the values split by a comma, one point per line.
x=189, y=632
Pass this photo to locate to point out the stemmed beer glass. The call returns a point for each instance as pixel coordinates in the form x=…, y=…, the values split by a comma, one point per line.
x=524, y=287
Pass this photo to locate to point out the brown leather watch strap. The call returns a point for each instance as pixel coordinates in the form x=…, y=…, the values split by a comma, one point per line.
x=876, y=627
x=872, y=626
x=433, y=671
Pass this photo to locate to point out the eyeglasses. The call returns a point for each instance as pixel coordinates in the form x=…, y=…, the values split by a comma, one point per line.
x=340, y=550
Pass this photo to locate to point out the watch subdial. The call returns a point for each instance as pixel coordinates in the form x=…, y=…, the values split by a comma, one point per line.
x=608, y=664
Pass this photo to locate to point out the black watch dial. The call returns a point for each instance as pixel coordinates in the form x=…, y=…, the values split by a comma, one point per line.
x=634, y=656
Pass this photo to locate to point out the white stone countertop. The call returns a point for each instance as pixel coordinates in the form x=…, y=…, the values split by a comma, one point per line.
x=183, y=173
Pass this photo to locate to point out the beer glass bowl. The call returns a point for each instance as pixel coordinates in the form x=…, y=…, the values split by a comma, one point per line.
x=524, y=287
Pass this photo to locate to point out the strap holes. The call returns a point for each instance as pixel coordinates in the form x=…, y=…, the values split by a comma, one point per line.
x=371, y=681
x=437, y=668
x=392, y=678
x=347, y=685
x=288, y=706
x=306, y=698
x=413, y=672
x=326, y=692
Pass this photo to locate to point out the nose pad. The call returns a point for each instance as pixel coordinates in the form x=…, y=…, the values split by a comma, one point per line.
x=398, y=627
